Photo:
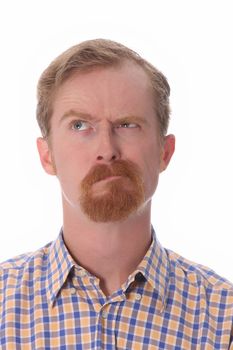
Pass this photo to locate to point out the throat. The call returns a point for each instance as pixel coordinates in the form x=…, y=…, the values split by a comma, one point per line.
x=110, y=251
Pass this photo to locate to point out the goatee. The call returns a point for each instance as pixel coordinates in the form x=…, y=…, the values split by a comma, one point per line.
x=116, y=199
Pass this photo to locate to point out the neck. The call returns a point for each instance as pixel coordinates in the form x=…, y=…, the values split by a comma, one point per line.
x=110, y=251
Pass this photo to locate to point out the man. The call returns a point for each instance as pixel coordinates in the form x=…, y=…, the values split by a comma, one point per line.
x=106, y=282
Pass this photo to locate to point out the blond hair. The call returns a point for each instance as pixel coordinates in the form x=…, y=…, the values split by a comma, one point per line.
x=86, y=56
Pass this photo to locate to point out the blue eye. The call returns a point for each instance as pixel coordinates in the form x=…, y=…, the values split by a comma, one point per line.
x=80, y=125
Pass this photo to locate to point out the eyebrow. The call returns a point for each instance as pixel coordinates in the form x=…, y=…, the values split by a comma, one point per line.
x=130, y=119
x=80, y=115
x=88, y=117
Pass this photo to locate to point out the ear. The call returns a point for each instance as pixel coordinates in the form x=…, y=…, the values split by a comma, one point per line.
x=46, y=156
x=168, y=148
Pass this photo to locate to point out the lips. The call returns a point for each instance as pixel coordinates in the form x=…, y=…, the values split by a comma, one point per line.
x=110, y=178
x=103, y=183
x=104, y=173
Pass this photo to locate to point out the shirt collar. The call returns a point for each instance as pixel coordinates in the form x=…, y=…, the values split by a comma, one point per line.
x=60, y=263
x=155, y=269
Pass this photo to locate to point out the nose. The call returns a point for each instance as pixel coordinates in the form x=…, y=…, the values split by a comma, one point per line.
x=108, y=149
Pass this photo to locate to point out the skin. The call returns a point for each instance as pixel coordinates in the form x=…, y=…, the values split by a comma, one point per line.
x=98, y=117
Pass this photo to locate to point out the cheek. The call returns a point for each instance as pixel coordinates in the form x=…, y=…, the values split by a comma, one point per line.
x=151, y=170
x=151, y=179
x=69, y=165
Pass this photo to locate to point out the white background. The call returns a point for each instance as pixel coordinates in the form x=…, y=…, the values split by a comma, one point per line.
x=191, y=42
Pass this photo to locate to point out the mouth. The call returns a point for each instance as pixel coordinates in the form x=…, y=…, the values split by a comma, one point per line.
x=102, y=185
x=110, y=178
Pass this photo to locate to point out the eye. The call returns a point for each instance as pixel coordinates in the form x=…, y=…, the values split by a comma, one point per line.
x=80, y=125
x=127, y=125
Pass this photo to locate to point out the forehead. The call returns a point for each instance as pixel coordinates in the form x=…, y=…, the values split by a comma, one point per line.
x=128, y=73
x=123, y=88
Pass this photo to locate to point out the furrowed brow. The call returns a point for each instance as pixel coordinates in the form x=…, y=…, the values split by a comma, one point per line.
x=80, y=115
x=131, y=119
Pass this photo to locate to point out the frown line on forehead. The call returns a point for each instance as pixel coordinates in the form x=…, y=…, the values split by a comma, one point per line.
x=88, y=117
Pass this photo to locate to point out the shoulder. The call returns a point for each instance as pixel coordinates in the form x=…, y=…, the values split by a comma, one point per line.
x=197, y=274
x=14, y=269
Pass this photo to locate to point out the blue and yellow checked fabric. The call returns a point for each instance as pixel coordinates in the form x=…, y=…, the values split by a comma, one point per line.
x=49, y=302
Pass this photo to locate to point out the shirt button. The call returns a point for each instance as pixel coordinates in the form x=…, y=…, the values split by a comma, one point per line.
x=104, y=314
x=138, y=296
x=81, y=273
x=73, y=291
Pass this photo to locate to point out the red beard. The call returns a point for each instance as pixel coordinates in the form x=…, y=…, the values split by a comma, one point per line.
x=119, y=197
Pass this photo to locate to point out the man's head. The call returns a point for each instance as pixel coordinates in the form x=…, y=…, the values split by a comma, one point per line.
x=104, y=137
x=90, y=55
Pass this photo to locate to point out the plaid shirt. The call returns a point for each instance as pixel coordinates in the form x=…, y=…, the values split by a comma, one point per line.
x=49, y=302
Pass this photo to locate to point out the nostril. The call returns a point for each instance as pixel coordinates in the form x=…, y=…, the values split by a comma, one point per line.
x=113, y=157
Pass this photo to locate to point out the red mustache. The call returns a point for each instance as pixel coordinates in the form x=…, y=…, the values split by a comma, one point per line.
x=100, y=172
